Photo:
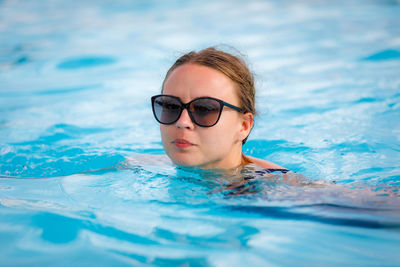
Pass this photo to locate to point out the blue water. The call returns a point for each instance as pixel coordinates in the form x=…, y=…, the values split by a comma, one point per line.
x=75, y=83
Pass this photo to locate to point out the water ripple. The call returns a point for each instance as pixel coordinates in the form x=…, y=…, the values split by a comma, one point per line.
x=389, y=54
x=86, y=62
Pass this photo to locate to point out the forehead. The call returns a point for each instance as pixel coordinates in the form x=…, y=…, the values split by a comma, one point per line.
x=190, y=81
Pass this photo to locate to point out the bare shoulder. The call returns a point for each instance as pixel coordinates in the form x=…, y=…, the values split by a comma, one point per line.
x=263, y=163
x=155, y=160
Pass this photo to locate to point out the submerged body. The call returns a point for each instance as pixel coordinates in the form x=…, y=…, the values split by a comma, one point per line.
x=162, y=160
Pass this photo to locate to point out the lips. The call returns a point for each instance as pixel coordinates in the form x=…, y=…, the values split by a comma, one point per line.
x=182, y=143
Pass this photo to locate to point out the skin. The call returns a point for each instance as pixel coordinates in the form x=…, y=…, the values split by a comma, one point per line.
x=217, y=147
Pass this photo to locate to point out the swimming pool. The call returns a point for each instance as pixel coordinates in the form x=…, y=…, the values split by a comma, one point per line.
x=75, y=84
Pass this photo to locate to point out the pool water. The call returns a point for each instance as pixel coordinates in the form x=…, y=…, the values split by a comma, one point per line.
x=75, y=86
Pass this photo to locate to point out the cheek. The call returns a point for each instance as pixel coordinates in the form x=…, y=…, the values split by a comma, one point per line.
x=165, y=132
x=229, y=124
x=218, y=136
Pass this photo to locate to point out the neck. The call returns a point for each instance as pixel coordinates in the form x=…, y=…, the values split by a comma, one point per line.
x=226, y=168
x=233, y=160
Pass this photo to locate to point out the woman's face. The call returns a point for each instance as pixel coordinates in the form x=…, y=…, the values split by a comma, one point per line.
x=188, y=144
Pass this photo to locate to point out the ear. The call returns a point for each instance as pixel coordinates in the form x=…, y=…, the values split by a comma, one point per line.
x=247, y=125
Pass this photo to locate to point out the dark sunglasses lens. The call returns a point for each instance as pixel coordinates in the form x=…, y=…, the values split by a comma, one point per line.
x=205, y=112
x=166, y=109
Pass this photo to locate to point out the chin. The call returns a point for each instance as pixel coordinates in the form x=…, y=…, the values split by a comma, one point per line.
x=186, y=160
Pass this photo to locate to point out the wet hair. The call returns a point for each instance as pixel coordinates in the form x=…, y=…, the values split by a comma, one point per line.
x=234, y=67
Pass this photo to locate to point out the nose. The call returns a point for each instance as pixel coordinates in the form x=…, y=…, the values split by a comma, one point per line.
x=184, y=121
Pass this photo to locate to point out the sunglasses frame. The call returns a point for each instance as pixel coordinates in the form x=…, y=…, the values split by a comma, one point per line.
x=186, y=106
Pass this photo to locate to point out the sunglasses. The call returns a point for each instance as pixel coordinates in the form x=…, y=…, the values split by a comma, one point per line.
x=203, y=111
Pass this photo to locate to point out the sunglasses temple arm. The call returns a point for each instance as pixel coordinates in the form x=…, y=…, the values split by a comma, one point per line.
x=234, y=107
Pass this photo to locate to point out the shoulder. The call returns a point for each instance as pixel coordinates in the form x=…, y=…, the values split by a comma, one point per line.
x=263, y=163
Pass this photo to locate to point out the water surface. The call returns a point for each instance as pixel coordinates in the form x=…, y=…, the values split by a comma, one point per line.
x=75, y=84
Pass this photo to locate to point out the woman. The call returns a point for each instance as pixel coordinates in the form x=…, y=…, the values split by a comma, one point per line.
x=206, y=111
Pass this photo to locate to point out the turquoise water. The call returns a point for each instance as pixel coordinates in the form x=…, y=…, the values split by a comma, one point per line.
x=75, y=84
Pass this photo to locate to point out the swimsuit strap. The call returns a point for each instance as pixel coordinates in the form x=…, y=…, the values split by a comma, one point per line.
x=278, y=170
x=263, y=171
